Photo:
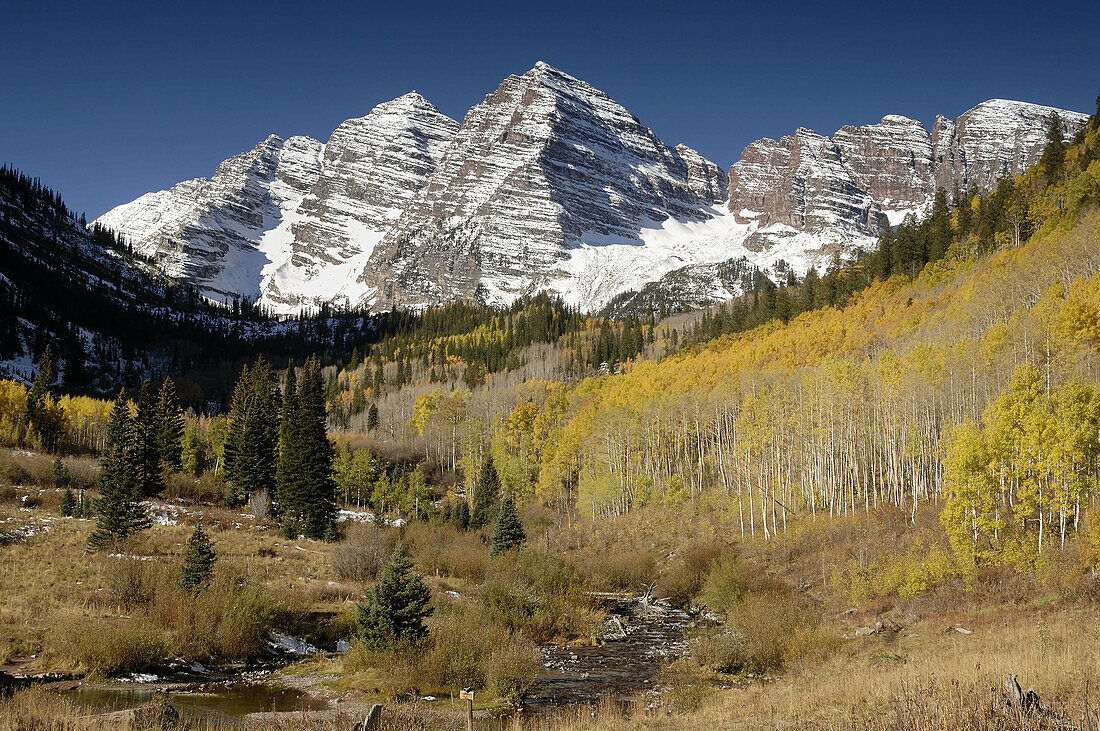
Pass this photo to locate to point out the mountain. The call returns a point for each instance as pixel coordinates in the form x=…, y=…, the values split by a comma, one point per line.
x=549, y=184
x=545, y=177
x=114, y=317
x=290, y=223
x=838, y=194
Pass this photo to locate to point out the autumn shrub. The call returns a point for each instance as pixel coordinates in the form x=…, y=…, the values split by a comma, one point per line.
x=360, y=556
x=444, y=550
x=726, y=582
x=621, y=568
x=465, y=648
x=683, y=580
x=105, y=646
x=765, y=632
x=539, y=594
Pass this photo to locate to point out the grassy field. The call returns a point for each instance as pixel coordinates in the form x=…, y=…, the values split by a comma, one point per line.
x=797, y=649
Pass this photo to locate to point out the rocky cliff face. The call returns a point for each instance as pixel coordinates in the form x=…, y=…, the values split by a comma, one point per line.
x=292, y=223
x=206, y=230
x=545, y=165
x=842, y=191
x=549, y=184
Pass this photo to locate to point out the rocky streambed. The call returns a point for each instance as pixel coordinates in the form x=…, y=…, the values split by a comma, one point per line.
x=639, y=639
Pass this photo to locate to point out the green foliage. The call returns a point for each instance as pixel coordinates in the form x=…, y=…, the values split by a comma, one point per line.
x=119, y=506
x=148, y=451
x=68, y=505
x=198, y=562
x=397, y=606
x=485, y=495
x=306, y=490
x=508, y=532
x=252, y=431
x=170, y=426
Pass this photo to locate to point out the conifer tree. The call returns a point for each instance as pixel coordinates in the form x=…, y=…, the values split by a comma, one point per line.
x=508, y=532
x=252, y=436
x=318, y=507
x=397, y=606
x=147, y=447
x=372, y=417
x=61, y=476
x=485, y=494
x=119, y=508
x=68, y=505
x=170, y=425
x=288, y=468
x=39, y=400
x=462, y=515
x=306, y=489
x=198, y=562
x=1055, y=150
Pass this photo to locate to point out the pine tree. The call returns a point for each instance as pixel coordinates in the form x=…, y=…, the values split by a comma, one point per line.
x=397, y=606
x=287, y=471
x=68, y=505
x=508, y=532
x=486, y=491
x=252, y=436
x=318, y=506
x=306, y=489
x=198, y=562
x=372, y=417
x=146, y=425
x=39, y=400
x=1054, y=152
x=462, y=515
x=61, y=476
x=170, y=425
x=119, y=507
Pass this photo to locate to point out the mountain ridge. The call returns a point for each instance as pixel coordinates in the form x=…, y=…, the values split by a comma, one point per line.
x=549, y=184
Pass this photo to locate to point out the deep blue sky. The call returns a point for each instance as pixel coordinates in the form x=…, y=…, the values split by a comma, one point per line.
x=107, y=100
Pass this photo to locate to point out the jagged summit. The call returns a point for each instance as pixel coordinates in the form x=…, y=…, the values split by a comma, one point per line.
x=550, y=184
x=546, y=167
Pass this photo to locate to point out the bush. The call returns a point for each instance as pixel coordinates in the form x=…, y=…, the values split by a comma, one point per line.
x=726, y=582
x=464, y=649
x=108, y=646
x=765, y=632
x=362, y=554
x=444, y=550
x=622, y=570
x=683, y=581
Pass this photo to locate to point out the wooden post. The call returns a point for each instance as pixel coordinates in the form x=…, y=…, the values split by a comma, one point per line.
x=373, y=719
x=467, y=694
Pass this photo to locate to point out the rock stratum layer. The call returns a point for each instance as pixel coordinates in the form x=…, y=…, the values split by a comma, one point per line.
x=549, y=184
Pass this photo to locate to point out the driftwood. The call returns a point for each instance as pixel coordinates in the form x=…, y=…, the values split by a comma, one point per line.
x=373, y=721
x=157, y=714
x=1017, y=699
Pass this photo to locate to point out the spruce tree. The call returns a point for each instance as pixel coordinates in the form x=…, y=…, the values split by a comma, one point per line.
x=147, y=446
x=288, y=468
x=508, y=532
x=485, y=494
x=170, y=425
x=318, y=498
x=372, y=417
x=68, y=505
x=1055, y=150
x=119, y=507
x=61, y=476
x=198, y=562
x=252, y=436
x=397, y=606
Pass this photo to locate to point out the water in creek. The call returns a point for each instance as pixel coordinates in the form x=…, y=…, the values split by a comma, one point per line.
x=205, y=701
x=639, y=642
